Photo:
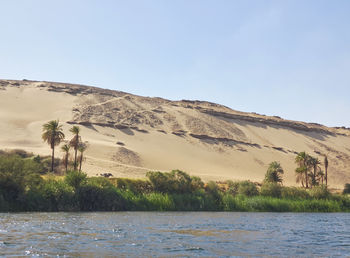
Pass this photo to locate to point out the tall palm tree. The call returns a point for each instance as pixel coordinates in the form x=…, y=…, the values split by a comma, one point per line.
x=302, y=159
x=300, y=175
x=75, y=143
x=326, y=169
x=320, y=175
x=274, y=173
x=65, y=148
x=81, y=148
x=53, y=135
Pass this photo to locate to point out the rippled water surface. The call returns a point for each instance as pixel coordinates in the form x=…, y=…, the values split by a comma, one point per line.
x=175, y=234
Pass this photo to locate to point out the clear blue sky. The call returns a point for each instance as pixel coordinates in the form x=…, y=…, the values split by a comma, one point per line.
x=285, y=58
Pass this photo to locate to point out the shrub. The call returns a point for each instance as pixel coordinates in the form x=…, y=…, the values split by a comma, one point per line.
x=75, y=179
x=135, y=185
x=196, y=184
x=271, y=189
x=32, y=166
x=16, y=164
x=213, y=189
x=37, y=159
x=190, y=202
x=294, y=193
x=213, y=197
x=247, y=188
x=182, y=182
x=3, y=204
x=175, y=181
x=262, y=203
x=159, y=202
x=319, y=192
x=19, y=152
x=46, y=162
x=96, y=193
x=94, y=197
x=230, y=203
x=232, y=187
x=159, y=180
x=100, y=181
x=51, y=195
x=346, y=189
x=315, y=206
x=16, y=176
x=345, y=202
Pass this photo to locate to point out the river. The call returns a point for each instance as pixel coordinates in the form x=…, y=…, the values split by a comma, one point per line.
x=174, y=234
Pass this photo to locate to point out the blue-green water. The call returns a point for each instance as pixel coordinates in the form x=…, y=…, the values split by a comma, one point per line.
x=175, y=234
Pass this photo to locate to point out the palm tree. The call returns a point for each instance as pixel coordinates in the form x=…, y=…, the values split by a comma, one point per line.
x=302, y=159
x=274, y=172
x=81, y=148
x=326, y=169
x=53, y=135
x=300, y=175
x=65, y=148
x=314, y=163
x=320, y=175
x=75, y=143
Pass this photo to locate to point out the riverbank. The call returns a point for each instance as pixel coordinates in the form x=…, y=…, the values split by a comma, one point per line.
x=175, y=191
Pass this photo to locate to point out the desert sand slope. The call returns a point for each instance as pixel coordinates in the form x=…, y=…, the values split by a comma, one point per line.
x=129, y=135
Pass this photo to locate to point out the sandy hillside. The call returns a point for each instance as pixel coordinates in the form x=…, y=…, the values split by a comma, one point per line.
x=129, y=135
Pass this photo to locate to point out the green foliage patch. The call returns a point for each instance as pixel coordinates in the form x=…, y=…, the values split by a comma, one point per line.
x=346, y=189
x=22, y=188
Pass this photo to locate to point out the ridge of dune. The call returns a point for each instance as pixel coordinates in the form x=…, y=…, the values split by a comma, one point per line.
x=129, y=135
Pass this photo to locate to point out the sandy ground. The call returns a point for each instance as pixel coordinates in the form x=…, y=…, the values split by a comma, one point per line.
x=129, y=135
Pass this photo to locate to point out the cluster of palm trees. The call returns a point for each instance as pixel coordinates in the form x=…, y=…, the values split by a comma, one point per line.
x=309, y=172
x=53, y=135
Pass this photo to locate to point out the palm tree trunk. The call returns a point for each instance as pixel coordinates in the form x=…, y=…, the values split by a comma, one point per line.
x=66, y=162
x=81, y=161
x=75, y=159
x=315, y=179
x=306, y=179
x=52, y=158
x=326, y=169
x=306, y=175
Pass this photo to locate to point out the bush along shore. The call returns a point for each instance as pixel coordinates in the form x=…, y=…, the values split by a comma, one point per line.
x=24, y=186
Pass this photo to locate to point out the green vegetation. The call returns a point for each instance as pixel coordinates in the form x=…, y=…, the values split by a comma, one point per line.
x=326, y=169
x=81, y=148
x=74, y=142
x=346, y=189
x=53, y=135
x=175, y=181
x=24, y=188
x=246, y=188
x=25, y=185
x=274, y=173
x=65, y=148
x=309, y=172
x=271, y=189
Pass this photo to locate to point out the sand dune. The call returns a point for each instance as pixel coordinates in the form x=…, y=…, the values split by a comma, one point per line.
x=129, y=135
